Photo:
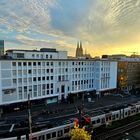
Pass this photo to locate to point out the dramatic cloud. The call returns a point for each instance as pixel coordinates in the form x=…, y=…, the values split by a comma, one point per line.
x=104, y=26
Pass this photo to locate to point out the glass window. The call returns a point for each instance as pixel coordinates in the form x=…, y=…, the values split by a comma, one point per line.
x=48, y=136
x=29, y=63
x=24, y=63
x=60, y=133
x=53, y=134
x=14, y=81
x=19, y=63
x=34, y=63
x=14, y=63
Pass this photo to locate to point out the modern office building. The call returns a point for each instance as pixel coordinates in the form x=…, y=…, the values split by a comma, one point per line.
x=48, y=74
x=128, y=73
x=1, y=48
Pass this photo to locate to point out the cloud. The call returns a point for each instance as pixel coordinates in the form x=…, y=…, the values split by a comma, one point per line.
x=100, y=24
x=23, y=15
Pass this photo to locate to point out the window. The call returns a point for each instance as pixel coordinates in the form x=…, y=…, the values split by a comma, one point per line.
x=19, y=63
x=51, y=63
x=14, y=72
x=33, y=55
x=46, y=56
x=25, y=88
x=20, y=80
x=20, y=89
x=34, y=63
x=47, y=92
x=50, y=56
x=53, y=134
x=51, y=77
x=48, y=136
x=62, y=89
x=59, y=78
x=43, y=78
x=51, y=91
x=41, y=56
x=68, y=88
x=39, y=78
x=20, y=55
x=98, y=121
x=47, y=86
x=60, y=133
x=34, y=78
x=47, y=77
x=43, y=63
x=35, y=87
x=51, y=70
x=14, y=81
x=39, y=63
x=29, y=63
x=24, y=63
x=25, y=72
x=37, y=55
x=47, y=63
x=47, y=70
x=34, y=71
x=51, y=85
x=25, y=80
x=14, y=63
x=29, y=71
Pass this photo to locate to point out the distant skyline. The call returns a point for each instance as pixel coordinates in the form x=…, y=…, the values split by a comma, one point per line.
x=103, y=26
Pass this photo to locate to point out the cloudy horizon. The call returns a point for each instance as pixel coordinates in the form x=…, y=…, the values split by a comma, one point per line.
x=103, y=26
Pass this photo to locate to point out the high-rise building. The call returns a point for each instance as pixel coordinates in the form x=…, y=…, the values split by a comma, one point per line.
x=1, y=48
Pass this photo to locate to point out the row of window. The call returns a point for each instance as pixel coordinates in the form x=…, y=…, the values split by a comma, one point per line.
x=32, y=63
x=30, y=71
x=53, y=135
x=32, y=79
x=51, y=63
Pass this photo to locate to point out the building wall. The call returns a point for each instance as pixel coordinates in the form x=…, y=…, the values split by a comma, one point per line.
x=53, y=78
x=15, y=54
x=128, y=74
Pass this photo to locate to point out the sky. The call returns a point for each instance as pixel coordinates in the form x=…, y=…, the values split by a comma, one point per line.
x=103, y=26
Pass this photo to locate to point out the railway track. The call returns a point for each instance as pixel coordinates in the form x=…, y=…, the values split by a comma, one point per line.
x=120, y=130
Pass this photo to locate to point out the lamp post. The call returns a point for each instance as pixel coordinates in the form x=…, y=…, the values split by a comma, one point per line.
x=29, y=117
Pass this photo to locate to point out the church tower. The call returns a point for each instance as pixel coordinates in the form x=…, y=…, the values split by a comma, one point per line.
x=79, y=50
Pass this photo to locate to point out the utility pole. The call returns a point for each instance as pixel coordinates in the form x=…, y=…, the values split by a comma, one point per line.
x=30, y=117
x=83, y=100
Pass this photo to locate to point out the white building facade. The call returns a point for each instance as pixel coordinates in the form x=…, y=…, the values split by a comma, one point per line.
x=53, y=78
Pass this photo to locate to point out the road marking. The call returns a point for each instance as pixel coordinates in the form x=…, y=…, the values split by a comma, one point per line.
x=11, y=129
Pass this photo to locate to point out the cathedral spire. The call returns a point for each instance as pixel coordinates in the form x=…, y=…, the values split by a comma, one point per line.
x=79, y=49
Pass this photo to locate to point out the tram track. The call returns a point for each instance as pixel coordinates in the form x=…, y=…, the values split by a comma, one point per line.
x=120, y=130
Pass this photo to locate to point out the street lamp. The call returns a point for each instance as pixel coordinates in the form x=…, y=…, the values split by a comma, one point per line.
x=29, y=117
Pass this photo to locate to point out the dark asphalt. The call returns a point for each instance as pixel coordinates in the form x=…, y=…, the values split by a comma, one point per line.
x=59, y=113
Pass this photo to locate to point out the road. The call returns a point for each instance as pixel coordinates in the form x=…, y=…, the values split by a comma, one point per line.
x=57, y=114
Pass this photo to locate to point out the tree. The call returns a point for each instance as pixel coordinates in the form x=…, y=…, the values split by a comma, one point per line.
x=79, y=134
